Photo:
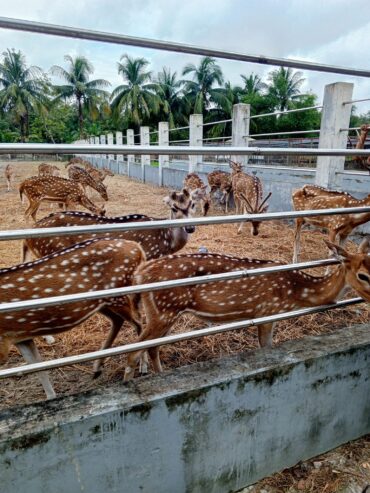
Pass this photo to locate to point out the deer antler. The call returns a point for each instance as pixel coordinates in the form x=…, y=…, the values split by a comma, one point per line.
x=244, y=197
x=264, y=201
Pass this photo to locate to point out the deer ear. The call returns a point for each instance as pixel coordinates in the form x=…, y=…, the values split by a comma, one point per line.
x=167, y=200
x=185, y=192
x=339, y=253
x=364, y=246
x=173, y=195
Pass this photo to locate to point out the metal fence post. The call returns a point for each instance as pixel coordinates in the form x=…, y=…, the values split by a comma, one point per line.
x=145, y=159
x=240, y=128
x=196, y=139
x=335, y=115
x=163, y=140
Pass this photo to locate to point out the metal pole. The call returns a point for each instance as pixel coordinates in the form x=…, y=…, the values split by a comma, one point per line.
x=77, y=32
x=173, y=150
x=171, y=339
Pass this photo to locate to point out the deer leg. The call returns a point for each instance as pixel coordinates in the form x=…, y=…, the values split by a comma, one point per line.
x=241, y=225
x=265, y=333
x=117, y=322
x=30, y=353
x=32, y=209
x=154, y=356
x=297, y=239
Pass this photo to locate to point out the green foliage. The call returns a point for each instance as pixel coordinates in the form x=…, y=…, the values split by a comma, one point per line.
x=33, y=109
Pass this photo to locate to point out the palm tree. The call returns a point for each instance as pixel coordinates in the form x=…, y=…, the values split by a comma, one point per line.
x=200, y=90
x=284, y=87
x=88, y=94
x=136, y=99
x=253, y=84
x=169, y=90
x=22, y=89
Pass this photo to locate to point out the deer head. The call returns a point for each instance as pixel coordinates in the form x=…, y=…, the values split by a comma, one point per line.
x=256, y=209
x=181, y=206
x=357, y=266
x=236, y=167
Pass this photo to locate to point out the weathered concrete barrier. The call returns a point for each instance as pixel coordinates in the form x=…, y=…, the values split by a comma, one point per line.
x=210, y=427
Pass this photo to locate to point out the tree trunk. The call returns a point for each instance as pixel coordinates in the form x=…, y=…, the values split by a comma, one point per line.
x=80, y=117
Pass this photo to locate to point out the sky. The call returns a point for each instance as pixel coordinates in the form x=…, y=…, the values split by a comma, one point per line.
x=335, y=32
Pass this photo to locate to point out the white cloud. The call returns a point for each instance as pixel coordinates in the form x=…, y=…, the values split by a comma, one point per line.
x=334, y=32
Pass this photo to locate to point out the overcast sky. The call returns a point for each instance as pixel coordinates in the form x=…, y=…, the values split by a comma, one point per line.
x=335, y=32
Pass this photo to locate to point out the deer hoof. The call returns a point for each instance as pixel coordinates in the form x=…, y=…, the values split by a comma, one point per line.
x=129, y=374
x=96, y=374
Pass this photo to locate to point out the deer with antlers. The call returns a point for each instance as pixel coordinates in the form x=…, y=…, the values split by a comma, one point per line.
x=46, y=169
x=54, y=189
x=85, y=179
x=248, y=195
x=92, y=265
x=220, y=180
x=9, y=175
x=194, y=184
x=339, y=227
x=247, y=298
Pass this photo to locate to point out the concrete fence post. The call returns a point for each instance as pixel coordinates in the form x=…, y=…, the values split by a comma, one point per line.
x=110, y=142
x=119, y=141
x=96, y=156
x=335, y=115
x=130, y=142
x=196, y=139
x=240, y=128
x=144, y=141
x=163, y=140
x=102, y=156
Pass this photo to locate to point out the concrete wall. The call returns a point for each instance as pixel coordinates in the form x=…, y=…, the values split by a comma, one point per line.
x=206, y=428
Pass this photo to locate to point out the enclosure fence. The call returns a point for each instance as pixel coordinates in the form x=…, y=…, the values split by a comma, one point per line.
x=161, y=150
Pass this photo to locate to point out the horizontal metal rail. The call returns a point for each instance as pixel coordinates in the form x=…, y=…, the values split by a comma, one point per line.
x=156, y=286
x=178, y=128
x=18, y=234
x=348, y=129
x=216, y=122
x=104, y=37
x=295, y=132
x=171, y=339
x=356, y=101
x=296, y=110
x=177, y=141
x=217, y=138
x=174, y=150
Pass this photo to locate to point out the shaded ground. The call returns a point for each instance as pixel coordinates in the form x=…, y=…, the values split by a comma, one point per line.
x=274, y=242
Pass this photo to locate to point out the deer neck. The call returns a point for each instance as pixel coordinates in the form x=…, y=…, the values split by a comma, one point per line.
x=322, y=290
x=179, y=238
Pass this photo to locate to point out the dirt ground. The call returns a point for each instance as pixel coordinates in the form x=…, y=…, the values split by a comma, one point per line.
x=274, y=242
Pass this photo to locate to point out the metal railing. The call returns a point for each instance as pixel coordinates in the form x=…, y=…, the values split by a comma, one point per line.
x=274, y=113
x=104, y=37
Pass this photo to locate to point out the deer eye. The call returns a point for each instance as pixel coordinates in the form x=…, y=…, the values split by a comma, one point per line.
x=363, y=277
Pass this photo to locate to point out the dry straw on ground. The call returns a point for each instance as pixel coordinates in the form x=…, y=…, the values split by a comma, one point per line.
x=274, y=242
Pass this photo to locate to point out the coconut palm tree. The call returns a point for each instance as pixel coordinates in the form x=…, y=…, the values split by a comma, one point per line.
x=174, y=105
x=284, y=87
x=201, y=91
x=253, y=84
x=22, y=89
x=88, y=94
x=136, y=100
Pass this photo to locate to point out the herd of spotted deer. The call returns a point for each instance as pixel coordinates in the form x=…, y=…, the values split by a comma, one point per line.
x=72, y=264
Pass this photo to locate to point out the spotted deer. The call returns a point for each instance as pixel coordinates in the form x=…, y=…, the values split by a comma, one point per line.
x=48, y=170
x=220, y=180
x=54, y=189
x=9, y=175
x=232, y=300
x=360, y=144
x=248, y=195
x=92, y=265
x=340, y=226
x=155, y=242
x=195, y=185
x=100, y=174
x=85, y=179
